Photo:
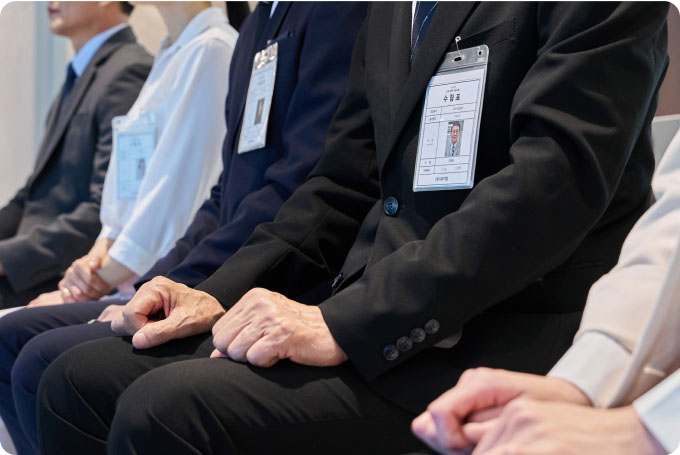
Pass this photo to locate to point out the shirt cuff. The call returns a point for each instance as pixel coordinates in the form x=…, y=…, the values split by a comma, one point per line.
x=108, y=232
x=595, y=363
x=132, y=255
x=659, y=410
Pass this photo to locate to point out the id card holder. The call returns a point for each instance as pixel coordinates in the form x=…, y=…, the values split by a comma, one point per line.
x=259, y=100
x=134, y=141
x=449, y=126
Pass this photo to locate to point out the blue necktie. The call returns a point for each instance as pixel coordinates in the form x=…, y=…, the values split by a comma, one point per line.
x=68, y=83
x=421, y=21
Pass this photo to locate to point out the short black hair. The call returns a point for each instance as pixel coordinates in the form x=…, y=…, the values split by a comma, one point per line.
x=455, y=123
x=126, y=8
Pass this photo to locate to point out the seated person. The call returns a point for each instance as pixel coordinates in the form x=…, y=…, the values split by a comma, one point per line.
x=160, y=171
x=54, y=218
x=318, y=364
x=311, y=79
x=627, y=345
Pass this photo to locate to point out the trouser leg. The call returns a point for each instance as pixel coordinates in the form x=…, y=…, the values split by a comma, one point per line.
x=218, y=406
x=203, y=405
x=78, y=392
x=21, y=376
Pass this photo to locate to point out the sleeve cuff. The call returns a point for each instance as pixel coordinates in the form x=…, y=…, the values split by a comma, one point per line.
x=132, y=255
x=108, y=232
x=659, y=410
x=595, y=363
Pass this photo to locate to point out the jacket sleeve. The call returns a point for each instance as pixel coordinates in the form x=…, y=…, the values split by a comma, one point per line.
x=322, y=81
x=10, y=215
x=53, y=247
x=622, y=302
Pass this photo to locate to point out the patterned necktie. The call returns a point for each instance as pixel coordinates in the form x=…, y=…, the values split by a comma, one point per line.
x=421, y=21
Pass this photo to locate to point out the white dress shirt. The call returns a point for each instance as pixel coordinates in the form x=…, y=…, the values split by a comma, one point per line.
x=82, y=58
x=186, y=91
x=629, y=339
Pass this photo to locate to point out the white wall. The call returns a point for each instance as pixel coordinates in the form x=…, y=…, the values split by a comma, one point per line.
x=33, y=67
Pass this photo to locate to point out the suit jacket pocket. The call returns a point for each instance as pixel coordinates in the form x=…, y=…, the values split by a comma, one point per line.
x=491, y=36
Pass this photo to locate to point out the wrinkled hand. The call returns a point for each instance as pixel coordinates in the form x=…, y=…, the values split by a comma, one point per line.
x=265, y=327
x=110, y=313
x=163, y=310
x=480, y=395
x=81, y=281
x=47, y=298
x=528, y=427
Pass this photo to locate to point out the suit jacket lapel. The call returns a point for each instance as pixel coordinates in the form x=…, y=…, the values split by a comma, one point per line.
x=446, y=24
x=399, y=54
x=62, y=115
x=269, y=33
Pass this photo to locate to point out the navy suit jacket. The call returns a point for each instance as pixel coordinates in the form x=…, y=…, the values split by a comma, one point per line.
x=315, y=46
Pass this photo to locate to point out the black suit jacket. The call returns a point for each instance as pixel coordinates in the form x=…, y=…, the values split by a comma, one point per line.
x=563, y=171
x=54, y=218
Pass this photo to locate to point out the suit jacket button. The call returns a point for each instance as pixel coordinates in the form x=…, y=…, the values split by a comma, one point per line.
x=432, y=326
x=417, y=335
x=390, y=206
x=390, y=352
x=404, y=344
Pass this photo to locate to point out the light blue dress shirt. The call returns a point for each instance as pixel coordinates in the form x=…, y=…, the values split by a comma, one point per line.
x=85, y=54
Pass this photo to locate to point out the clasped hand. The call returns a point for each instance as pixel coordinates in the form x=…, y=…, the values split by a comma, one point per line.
x=265, y=327
x=261, y=328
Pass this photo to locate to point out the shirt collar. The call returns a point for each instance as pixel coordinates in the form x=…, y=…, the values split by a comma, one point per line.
x=209, y=17
x=274, y=5
x=85, y=54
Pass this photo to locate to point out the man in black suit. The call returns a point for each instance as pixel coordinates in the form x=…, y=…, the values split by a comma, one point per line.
x=54, y=218
x=426, y=284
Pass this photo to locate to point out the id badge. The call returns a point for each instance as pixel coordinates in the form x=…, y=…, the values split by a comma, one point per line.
x=134, y=141
x=449, y=126
x=259, y=100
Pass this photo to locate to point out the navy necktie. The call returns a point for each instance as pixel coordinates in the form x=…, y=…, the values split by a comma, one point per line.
x=421, y=21
x=261, y=16
x=68, y=83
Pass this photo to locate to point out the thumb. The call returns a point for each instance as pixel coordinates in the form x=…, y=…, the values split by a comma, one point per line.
x=155, y=333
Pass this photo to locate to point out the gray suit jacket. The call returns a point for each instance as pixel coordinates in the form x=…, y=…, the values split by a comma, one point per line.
x=54, y=218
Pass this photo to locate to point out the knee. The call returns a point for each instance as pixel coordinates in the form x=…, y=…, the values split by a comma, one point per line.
x=30, y=365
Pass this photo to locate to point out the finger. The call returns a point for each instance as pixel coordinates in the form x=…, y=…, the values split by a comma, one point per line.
x=217, y=354
x=475, y=431
x=137, y=312
x=423, y=426
x=247, y=337
x=80, y=279
x=486, y=414
x=159, y=332
x=66, y=296
x=230, y=326
x=95, y=285
x=262, y=353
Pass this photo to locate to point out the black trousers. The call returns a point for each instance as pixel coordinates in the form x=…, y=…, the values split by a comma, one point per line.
x=11, y=299
x=105, y=396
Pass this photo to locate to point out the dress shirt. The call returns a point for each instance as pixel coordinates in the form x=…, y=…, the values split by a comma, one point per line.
x=185, y=91
x=84, y=55
x=628, y=342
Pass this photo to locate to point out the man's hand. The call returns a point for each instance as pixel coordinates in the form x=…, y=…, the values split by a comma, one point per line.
x=528, y=427
x=110, y=313
x=265, y=327
x=47, y=298
x=81, y=281
x=479, y=396
x=163, y=310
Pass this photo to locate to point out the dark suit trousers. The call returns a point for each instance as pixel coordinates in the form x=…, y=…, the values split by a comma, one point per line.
x=174, y=399
x=11, y=299
x=30, y=339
